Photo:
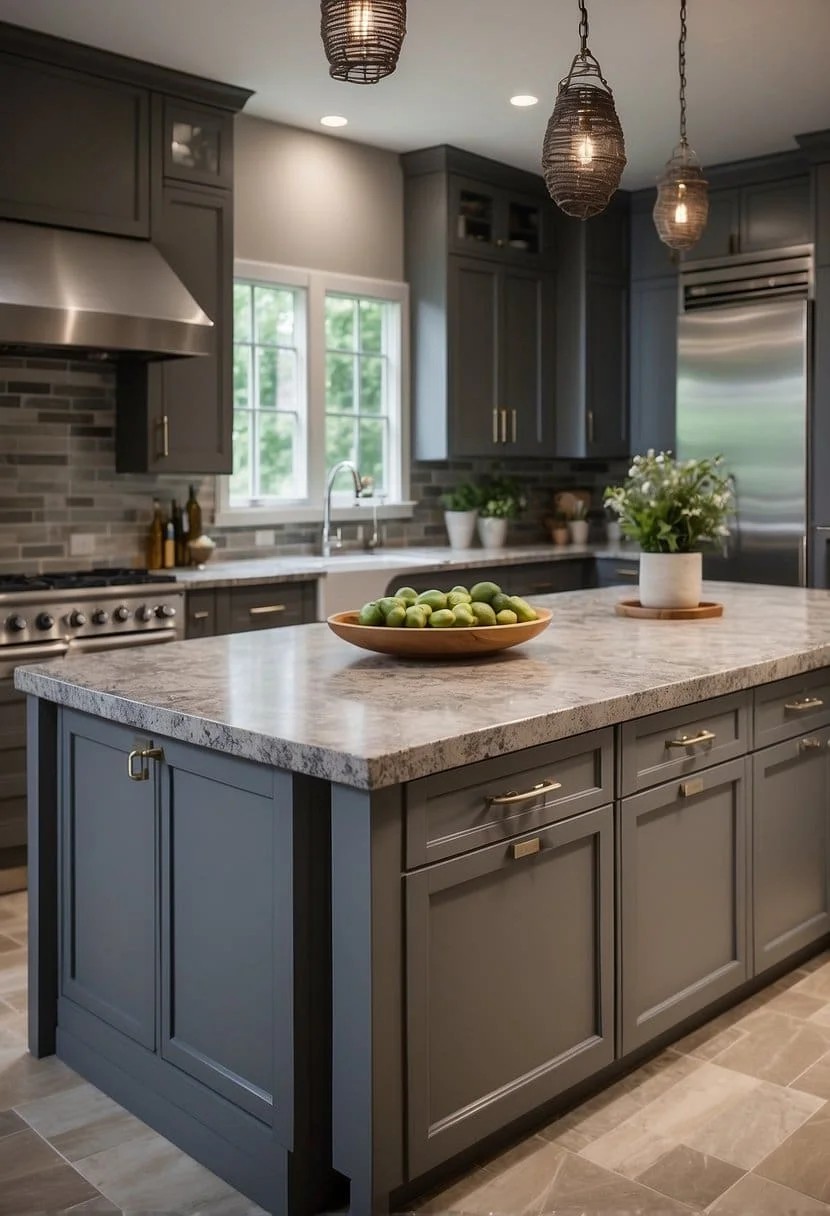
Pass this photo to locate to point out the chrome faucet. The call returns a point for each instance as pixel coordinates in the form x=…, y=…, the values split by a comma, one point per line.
x=328, y=544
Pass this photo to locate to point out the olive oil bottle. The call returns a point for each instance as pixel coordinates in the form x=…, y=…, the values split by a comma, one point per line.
x=155, y=539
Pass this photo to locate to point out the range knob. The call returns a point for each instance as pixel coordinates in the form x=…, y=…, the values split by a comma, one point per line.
x=165, y=611
x=45, y=621
x=16, y=623
x=144, y=613
x=100, y=617
x=122, y=613
x=77, y=619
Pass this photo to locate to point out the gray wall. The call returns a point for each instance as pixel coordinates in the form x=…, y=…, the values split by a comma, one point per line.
x=319, y=201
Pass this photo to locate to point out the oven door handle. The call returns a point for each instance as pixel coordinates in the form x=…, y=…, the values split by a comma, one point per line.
x=122, y=641
x=18, y=656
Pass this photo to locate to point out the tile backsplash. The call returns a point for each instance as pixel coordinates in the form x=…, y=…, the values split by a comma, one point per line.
x=62, y=505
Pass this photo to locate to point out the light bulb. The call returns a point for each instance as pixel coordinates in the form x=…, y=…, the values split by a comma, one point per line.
x=681, y=214
x=360, y=25
x=585, y=151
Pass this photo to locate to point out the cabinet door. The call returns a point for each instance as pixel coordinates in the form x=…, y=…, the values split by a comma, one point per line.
x=183, y=406
x=509, y=978
x=12, y=767
x=720, y=237
x=650, y=258
x=790, y=847
x=268, y=607
x=226, y=928
x=200, y=614
x=653, y=363
x=776, y=214
x=108, y=879
x=474, y=289
x=76, y=149
x=527, y=337
x=197, y=143
x=682, y=899
x=474, y=217
x=606, y=373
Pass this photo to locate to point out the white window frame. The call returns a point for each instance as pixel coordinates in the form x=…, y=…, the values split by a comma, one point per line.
x=397, y=504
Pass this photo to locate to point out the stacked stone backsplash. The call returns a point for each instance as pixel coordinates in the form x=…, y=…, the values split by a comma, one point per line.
x=63, y=506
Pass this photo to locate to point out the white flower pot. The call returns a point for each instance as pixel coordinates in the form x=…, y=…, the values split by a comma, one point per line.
x=670, y=580
x=578, y=529
x=492, y=532
x=461, y=527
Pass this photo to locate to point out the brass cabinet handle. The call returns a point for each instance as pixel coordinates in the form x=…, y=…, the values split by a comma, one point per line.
x=503, y=414
x=626, y=572
x=266, y=610
x=165, y=436
x=143, y=754
x=688, y=789
x=514, y=426
x=511, y=797
x=804, y=705
x=200, y=616
x=495, y=426
x=525, y=848
x=590, y=423
x=810, y=745
x=703, y=736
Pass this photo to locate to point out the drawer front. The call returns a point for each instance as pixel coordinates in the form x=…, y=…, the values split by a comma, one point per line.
x=791, y=707
x=618, y=572
x=201, y=614
x=455, y=812
x=267, y=607
x=665, y=746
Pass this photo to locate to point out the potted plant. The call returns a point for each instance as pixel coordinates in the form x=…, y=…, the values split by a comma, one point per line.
x=501, y=500
x=559, y=528
x=578, y=523
x=672, y=508
x=460, y=510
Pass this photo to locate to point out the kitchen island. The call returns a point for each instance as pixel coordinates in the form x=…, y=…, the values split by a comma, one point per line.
x=348, y=919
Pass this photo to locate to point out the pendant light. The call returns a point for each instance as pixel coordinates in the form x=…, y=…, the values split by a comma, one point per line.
x=362, y=38
x=682, y=206
x=584, y=150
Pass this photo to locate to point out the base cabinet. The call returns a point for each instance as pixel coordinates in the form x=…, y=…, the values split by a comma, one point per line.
x=790, y=847
x=683, y=923
x=504, y=1013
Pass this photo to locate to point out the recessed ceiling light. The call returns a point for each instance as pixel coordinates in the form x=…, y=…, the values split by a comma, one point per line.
x=334, y=120
x=524, y=99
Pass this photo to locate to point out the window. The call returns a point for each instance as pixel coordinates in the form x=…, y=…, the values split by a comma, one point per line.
x=318, y=377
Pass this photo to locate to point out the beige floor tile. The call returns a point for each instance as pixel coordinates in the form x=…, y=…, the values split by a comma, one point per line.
x=99, y=1206
x=746, y=1131
x=150, y=1173
x=754, y=1196
x=676, y=1117
x=710, y=1040
x=690, y=1176
x=776, y=1047
x=17, y=999
x=816, y=1080
x=10, y=1123
x=81, y=1121
x=48, y=1191
x=796, y=1003
x=8, y=944
x=803, y=1161
x=453, y=1197
x=14, y=977
x=817, y=982
x=821, y=1016
x=16, y=904
x=25, y=1153
x=231, y=1205
x=23, y=1078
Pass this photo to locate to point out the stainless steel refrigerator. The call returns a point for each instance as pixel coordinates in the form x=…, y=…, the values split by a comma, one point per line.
x=743, y=359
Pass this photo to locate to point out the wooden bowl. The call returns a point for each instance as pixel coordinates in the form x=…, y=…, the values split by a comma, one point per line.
x=428, y=643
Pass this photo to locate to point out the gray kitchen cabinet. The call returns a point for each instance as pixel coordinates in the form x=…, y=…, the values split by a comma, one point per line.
x=618, y=572
x=653, y=364
x=678, y=742
x=721, y=236
x=482, y=313
x=201, y=614
x=12, y=770
x=196, y=141
x=76, y=148
x=212, y=611
x=532, y=578
x=176, y=416
x=650, y=258
x=683, y=893
x=756, y=216
x=502, y=1012
x=592, y=334
x=790, y=847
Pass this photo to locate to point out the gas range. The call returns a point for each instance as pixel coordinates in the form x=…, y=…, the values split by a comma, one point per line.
x=85, y=610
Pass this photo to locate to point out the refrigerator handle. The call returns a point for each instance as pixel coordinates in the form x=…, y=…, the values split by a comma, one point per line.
x=802, y=561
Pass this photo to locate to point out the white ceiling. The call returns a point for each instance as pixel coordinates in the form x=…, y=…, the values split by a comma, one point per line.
x=758, y=69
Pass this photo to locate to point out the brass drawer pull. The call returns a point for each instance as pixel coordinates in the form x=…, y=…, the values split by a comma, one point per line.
x=495, y=426
x=810, y=745
x=627, y=572
x=142, y=754
x=804, y=705
x=525, y=848
x=503, y=414
x=266, y=610
x=703, y=736
x=164, y=424
x=514, y=427
x=200, y=616
x=511, y=797
x=689, y=788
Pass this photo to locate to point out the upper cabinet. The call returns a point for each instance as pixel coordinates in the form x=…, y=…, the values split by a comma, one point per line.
x=197, y=144
x=75, y=149
x=755, y=217
x=479, y=241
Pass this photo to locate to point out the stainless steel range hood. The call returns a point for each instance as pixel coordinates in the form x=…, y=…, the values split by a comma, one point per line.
x=108, y=294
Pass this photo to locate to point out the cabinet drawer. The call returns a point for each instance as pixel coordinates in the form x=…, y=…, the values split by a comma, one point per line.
x=618, y=572
x=791, y=707
x=201, y=614
x=653, y=749
x=267, y=607
x=455, y=812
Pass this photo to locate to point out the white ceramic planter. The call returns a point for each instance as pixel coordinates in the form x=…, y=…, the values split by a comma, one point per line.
x=492, y=532
x=670, y=580
x=461, y=528
x=578, y=529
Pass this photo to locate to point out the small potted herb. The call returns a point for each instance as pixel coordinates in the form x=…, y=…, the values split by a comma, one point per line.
x=558, y=525
x=501, y=500
x=461, y=506
x=578, y=522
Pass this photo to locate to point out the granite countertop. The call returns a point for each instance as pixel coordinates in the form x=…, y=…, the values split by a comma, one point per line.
x=300, y=698
x=301, y=568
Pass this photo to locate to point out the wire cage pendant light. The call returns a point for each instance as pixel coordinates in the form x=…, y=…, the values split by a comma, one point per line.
x=362, y=38
x=682, y=206
x=583, y=155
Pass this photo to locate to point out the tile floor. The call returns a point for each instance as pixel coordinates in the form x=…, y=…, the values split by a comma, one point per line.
x=733, y=1120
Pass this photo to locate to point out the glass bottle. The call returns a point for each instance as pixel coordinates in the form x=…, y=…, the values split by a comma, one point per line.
x=194, y=515
x=169, y=545
x=155, y=539
x=179, y=541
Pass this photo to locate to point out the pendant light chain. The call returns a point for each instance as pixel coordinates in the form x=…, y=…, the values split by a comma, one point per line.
x=583, y=29
x=681, y=61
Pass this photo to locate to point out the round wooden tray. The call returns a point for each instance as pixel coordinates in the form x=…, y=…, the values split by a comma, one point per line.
x=436, y=643
x=703, y=611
